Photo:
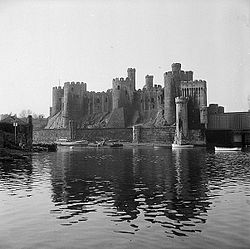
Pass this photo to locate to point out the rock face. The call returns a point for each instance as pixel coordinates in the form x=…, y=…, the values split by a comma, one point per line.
x=124, y=106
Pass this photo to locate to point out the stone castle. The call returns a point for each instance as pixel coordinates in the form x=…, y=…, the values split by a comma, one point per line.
x=124, y=106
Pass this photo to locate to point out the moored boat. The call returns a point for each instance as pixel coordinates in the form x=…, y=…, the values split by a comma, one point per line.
x=95, y=145
x=227, y=149
x=159, y=146
x=65, y=142
x=182, y=146
x=114, y=145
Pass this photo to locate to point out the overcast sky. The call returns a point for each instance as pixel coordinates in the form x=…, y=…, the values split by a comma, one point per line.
x=43, y=42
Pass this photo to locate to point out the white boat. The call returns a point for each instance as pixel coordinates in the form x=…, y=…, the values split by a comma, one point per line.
x=94, y=145
x=227, y=149
x=65, y=142
x=159, y=146
x=182, y=146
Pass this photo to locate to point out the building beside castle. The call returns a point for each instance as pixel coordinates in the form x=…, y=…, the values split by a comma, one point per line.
x=124, y=106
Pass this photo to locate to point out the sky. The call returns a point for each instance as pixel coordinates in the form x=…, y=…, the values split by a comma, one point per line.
x=46, y=43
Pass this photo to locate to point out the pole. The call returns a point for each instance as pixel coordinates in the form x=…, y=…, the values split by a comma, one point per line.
x=15, y=125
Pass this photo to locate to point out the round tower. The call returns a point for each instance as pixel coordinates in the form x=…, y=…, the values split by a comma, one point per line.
x=181, y=116
x=169, y=98
x=131, y=76
x=149, y=81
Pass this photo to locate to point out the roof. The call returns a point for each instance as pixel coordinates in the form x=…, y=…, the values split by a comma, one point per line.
x=13, y=119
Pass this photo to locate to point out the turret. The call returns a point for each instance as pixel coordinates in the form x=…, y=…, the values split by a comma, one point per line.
x=181, y=115
x=149, y=81
x=172, y=89
x=176, y=68
x=131, y=76
x=57, y=95
x=169, y=98
x=123, y=90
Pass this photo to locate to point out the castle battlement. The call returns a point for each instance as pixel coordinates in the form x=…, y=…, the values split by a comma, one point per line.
x=57, y=88
x=73, y=83
x=195, y=83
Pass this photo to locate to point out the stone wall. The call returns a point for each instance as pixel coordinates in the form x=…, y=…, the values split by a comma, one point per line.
x=157, y=135
x=147, y=135
x=50, y=136
x=122, y=134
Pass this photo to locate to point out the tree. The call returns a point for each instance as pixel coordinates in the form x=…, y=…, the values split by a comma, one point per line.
x=25, y=113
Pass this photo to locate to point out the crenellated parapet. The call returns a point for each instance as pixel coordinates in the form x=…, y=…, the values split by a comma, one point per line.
x=195, y=90
x=186, y=75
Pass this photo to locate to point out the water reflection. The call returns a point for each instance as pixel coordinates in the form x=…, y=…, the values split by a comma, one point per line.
x=164, y=187
x=129, y=194
x=16, y=177
x=130, y=190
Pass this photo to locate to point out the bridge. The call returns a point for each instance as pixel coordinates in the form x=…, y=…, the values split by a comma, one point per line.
x=229, y=129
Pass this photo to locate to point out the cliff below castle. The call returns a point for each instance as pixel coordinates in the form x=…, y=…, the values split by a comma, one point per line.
x=119, y=118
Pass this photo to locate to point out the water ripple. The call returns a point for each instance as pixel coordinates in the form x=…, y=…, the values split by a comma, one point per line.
x=145, y=194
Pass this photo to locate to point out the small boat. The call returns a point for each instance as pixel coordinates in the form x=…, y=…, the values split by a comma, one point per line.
x=97, y=144
x=159, y=146
x=65, y=142
x=114, y=145
x=227, y=149
x=182, y=146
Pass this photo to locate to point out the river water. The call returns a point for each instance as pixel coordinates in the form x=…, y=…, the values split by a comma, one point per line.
x=126, y=198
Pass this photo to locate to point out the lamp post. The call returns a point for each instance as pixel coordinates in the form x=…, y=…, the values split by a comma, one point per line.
x=15, y=125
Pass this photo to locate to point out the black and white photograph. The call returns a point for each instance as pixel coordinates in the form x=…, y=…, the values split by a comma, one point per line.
x=124, y=124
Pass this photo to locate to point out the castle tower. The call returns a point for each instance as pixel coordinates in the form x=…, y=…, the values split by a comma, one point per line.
x=181, y=120
x=73, y=102
x=149, y=81
x=176, y=71
x=123, y=90
x=176, y=68
x=57, y=95
x=172, y=89
x=169, y=95
x=131, y=76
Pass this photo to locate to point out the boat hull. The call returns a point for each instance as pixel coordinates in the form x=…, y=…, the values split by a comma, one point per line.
x=182, y=146
x=227, y=149
x=72, y=143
